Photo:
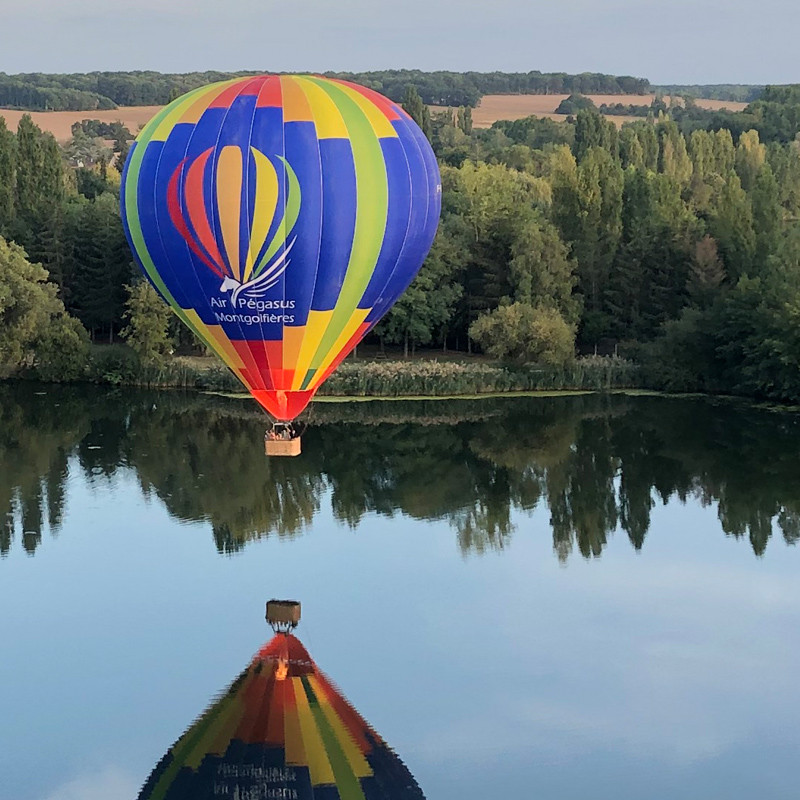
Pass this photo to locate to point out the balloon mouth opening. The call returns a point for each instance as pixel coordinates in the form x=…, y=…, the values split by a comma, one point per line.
x=284, y=406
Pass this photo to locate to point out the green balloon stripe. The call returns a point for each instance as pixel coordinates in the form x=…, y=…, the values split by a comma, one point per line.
x=291, y=213
x=372, y=208
x=347, y=784
x=132, y=199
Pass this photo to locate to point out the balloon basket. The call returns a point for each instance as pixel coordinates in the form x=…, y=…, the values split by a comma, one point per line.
x=282, y=447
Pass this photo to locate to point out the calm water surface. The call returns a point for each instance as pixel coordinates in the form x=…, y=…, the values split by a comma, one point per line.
x=547, y=598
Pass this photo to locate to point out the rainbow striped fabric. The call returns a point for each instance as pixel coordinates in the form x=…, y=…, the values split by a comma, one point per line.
x=281, y=217
x=281, y=731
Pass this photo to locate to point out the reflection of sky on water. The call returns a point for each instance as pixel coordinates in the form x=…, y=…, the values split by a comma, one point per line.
x=666, y=673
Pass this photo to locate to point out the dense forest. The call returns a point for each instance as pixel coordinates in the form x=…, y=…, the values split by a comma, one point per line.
x=740, y=93
x=672, y=242
x=598, y=463
x=98, y=90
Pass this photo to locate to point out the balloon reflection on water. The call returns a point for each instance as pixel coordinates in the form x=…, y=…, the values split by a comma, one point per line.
x=282, y=730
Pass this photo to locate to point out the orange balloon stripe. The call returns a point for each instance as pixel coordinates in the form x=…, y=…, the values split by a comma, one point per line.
x=195, y=205
x=296, y=107
x=230, y=174
x=178, y=220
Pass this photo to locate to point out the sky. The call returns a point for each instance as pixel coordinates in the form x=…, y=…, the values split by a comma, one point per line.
x=684, y=41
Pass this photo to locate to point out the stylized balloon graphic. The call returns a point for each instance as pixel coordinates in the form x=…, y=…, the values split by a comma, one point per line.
x=281, y=217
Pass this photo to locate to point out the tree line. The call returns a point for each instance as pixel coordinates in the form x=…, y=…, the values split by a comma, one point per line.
x=106, y=90
x=679, y=250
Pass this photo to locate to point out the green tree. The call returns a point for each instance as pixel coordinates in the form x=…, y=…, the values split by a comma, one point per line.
x=768, y=217
x=492, y=204
x=147, y=329
x=7, y=177
x=706, y=273
x=631, y=151
x=731, y=224
x=417, y=110
x=599, y=231
x=35, y=331
x=593, y=130
x=465, y=120
x=750, y=157
x=674, y=159
x=541, y=271
x=100, y=264
x=39, y=181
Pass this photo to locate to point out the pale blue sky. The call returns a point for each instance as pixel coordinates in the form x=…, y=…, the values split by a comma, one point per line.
x=684, y=41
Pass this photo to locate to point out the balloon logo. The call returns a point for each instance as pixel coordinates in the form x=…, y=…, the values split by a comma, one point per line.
x=252, y=265
x=281, y=217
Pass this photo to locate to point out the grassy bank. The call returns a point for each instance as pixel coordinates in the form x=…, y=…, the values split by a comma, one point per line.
x=379, y=378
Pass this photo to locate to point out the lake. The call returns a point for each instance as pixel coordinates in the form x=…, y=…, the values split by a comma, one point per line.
x=566, y=597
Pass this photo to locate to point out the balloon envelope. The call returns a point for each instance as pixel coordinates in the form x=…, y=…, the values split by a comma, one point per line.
x=281, y=217
x=281, y=731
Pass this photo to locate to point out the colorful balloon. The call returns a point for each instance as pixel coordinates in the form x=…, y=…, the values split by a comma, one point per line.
x=281, y=731
x=281, y=217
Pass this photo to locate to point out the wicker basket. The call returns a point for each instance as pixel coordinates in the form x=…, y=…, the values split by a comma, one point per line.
x=282, y=447
x=283, y=612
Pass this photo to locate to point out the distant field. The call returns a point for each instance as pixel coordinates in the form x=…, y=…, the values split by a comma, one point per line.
x=517, y=106
x=59, y=123
x=492, y=108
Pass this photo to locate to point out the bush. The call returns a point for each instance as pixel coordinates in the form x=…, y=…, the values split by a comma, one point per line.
x=62, y=351
x=524, y=333
x=115, y=364
x=575, y=103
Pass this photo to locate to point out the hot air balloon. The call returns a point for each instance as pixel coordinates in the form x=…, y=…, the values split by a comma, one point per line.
x=281, y=731
x=281, y=217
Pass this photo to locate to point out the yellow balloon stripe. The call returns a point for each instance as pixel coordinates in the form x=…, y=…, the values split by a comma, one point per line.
x=192, y=106
x=229, y=203
x=328, y=119
x=352, y=325
x=372, y=204
x=316, y=325
x=264, y=210
x=291, y=212
x=213, y=739
x=381, y=124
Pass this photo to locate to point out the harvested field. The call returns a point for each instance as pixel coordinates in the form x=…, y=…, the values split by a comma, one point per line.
x=517, y=106
x=59, y=123
x=492, y=108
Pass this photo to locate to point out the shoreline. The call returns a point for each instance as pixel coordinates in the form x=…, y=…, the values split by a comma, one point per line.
x=340, y=399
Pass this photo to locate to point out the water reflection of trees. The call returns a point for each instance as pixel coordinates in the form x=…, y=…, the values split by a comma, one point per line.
x=598, y=463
